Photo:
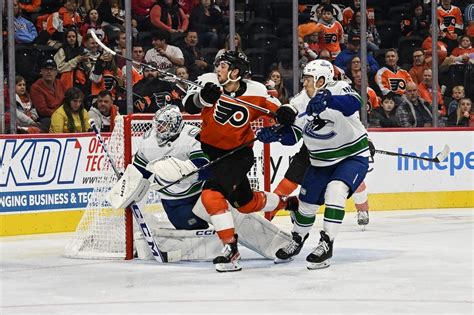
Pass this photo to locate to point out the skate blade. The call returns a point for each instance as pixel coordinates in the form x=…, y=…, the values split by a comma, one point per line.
x=282, y=261
x=229, y=267
x=321, y=265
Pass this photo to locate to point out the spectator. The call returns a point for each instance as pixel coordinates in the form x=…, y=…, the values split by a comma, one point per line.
x=450, y=23
x=71, y=117
x=465, y=50
x=417, y=21
x=120, y=49
x=237, y=44
x=103, y=111
x=206, y=20
x=112, y=15
x=138, y=55
x=91, y=4
x=373, y=38
x=282, y=91
x=151, y=92
x=26, y=115
x=469, y=13
x=392, y=78
x=385, y=115
x=193, y=59
x=442, y=48
x=92, y=51
x=164, y=55
x=348, y=12
x=351, y=51
x=179, y=89
x=414, y=111
x=462, y=117
x=105, y=75
x=167, y=15
x=25, y=31
x=69, y=57
x=426, y=91
x=331, y=32
x=334, y=8
x=33, y=6
x=305, y=54
x=372, y=98
x=47, y=92
x=458, y=94
x=141, y=13
x=93, y=23
x=310, y=33
x=66, y=17
x=419, y=64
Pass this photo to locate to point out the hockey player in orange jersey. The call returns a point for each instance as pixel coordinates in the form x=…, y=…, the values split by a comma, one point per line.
x=226, y=126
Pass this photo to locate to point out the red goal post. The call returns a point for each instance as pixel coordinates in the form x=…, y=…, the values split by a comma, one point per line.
x=108, y=234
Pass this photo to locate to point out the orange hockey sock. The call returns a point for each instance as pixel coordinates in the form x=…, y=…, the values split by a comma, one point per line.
x=284, y=188
x=221, y=218
x=258, y=201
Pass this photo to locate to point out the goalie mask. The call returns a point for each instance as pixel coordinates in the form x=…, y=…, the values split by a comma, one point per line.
x=168, y=123
x=320, y=68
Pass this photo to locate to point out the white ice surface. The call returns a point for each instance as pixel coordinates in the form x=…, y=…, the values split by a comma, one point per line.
x=406, y=262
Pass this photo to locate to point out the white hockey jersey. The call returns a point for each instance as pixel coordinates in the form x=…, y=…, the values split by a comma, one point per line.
x=334, y=137
x=185, y=147
x=300, y=101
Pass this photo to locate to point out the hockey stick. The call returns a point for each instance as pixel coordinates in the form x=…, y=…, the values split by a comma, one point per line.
x=159, y=187
x=159, y=256
x=176, y=78
x=437, y=159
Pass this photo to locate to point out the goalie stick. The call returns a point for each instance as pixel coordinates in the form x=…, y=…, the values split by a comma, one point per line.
x=174, y=77
x=437, y=159
x=159, y=256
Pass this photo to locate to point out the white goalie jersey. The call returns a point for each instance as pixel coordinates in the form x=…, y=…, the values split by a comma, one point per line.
x=334, y=136
x=185, y=147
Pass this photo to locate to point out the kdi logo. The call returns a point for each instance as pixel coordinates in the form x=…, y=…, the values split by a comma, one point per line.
x=29, y=162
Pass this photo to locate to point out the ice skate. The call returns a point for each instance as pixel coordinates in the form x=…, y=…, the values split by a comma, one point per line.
x=319, y=257
x=293, y=248
x=229, y=261
x=363, y=218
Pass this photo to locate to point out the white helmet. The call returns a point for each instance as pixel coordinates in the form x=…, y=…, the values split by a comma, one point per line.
x=168, y=123
x=320, y=68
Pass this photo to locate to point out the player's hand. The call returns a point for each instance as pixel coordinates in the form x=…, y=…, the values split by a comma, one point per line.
x=318, y=103
x=268, y=134
x=286, y=115
x=209, y=94
x=371, y=147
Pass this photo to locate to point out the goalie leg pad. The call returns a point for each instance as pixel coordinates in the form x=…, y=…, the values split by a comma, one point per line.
x=259, y=234
x=131, y=187
x=180, y=214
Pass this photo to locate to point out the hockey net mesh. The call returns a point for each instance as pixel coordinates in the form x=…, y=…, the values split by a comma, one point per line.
x=101, y=232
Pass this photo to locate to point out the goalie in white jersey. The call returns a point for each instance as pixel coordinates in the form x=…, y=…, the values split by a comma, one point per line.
x=338, y=151
x=169, y=151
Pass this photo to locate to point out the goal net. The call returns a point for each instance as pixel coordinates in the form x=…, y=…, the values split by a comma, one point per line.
x=104, y=233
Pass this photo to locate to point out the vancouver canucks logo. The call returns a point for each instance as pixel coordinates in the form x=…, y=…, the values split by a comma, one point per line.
x=226, y=112
x=312, y=128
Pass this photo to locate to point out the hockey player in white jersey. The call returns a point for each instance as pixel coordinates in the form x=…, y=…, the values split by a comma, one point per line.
x=167, y=152
x=300, y=161
x=338, y=151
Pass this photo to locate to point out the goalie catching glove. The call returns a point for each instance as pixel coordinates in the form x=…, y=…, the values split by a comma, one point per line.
x=171, y=169
x=131, y=187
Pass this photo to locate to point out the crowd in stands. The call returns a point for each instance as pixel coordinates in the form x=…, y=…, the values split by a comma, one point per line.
x=64, y=77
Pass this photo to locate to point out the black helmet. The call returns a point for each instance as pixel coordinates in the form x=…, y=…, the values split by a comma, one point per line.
x=235, y=60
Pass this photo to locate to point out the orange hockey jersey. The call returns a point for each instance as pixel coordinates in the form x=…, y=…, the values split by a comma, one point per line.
x=226, y=125
x=330, y=37
x=450, y=21
x=390, y=81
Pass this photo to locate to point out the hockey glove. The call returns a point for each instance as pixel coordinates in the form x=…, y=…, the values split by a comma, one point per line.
x=286, y=115
x=371, y=147
x=209, y=94
x=268, y=134
x=318, y=103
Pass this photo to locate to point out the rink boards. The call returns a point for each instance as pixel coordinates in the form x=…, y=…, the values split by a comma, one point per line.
x=45, y=181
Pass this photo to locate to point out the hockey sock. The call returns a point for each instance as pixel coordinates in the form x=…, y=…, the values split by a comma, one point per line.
x=257, y=203
x=336, y=195
x=284, y=188
x=221, y=218
x=304, y=218
x=360, y=198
